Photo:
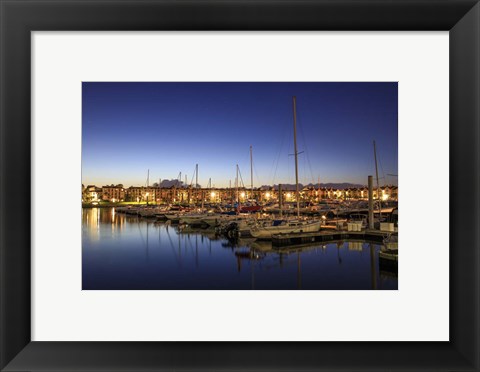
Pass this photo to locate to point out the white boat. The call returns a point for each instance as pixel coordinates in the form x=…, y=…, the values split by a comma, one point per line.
x=197, y=218
x=173, y=215
x=220, y=219
x=212, y=220
x=284, y=227
x=147, y=212
x=192, y=218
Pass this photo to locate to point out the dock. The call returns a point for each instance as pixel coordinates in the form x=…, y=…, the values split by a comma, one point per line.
x=370, y=235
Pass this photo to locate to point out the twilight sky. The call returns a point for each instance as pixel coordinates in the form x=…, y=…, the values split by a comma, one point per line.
x=169, y=127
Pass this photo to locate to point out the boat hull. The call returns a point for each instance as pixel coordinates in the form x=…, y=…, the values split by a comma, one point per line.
x=268, y=231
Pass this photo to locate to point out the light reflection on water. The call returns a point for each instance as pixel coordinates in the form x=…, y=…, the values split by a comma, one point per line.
x=127, y=252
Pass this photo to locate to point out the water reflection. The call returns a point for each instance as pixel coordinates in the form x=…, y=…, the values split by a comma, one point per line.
x=126, y=252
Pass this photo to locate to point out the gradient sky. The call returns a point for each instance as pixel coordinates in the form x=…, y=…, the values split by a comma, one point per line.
x=169, y=127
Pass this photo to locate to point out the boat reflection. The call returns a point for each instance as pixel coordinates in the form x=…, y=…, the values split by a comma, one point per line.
x=127, y=252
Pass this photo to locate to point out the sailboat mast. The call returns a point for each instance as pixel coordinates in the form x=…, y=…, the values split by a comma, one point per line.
x=318, y=189
x=251, y=171
x=236, y=184
x=296, y=153
x=378, y=184
x=148, y=181
x=196, y=176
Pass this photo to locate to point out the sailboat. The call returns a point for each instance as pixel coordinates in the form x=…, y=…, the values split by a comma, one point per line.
x=284, y=227
x=288, y=226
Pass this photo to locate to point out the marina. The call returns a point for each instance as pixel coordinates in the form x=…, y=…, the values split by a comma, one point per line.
x=122, y=251
x=280, y=235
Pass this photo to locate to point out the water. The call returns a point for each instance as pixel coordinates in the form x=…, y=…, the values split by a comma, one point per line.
x=127, y=252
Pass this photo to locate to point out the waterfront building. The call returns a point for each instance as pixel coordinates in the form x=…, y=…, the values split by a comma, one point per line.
x=135, y=194
x=113, y=193
x=92, y=193
x=195, y=196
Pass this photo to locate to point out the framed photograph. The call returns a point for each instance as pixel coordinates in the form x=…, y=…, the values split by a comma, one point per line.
x=217, y=185
x=254, y=231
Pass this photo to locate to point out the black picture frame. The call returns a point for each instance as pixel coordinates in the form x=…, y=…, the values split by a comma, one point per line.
x=19, y=17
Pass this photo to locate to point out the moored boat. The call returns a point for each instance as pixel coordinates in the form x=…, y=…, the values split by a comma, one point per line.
x=285, y=227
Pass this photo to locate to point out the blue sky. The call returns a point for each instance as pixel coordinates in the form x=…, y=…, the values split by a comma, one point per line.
x=128, y=128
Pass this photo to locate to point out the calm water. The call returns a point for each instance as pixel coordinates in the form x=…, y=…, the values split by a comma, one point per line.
x=126, y=252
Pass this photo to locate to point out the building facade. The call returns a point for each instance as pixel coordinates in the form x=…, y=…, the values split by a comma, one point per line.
x=113, y=193
x=190, y=195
